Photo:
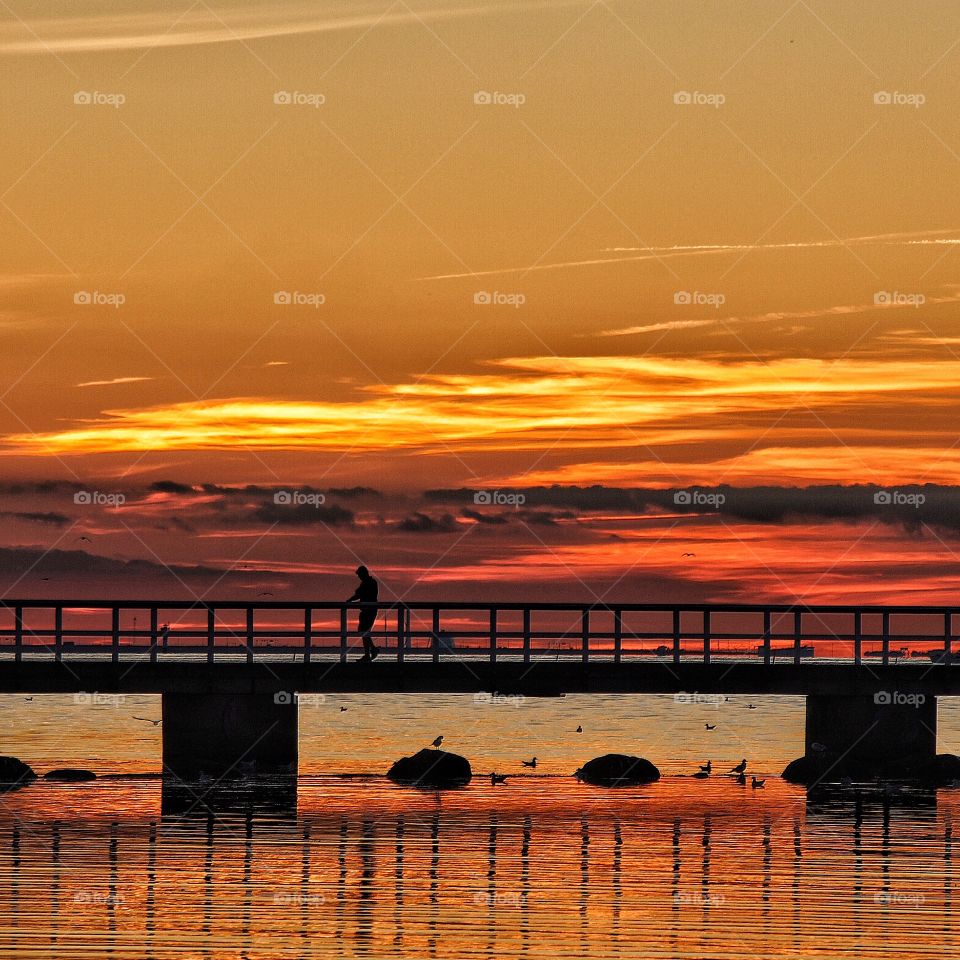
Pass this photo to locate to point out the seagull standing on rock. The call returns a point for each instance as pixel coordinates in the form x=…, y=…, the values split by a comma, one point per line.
x=437, y=742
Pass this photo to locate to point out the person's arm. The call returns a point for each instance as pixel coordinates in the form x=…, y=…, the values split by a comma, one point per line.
x=356, y=596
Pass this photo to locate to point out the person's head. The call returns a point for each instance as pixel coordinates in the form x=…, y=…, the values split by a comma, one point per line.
x=363, y=572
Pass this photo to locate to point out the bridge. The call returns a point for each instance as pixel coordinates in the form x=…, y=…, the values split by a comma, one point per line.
x=231, y=673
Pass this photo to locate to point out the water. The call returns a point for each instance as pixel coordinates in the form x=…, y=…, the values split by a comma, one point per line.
x=541, y=867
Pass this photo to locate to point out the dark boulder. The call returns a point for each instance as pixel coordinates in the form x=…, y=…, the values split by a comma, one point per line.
x=14, y=773
x=432, y=768
x=618, y=770
x=69, y=775
x=942, y=769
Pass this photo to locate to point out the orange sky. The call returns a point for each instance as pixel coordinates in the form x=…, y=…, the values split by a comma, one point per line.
x=421, y=244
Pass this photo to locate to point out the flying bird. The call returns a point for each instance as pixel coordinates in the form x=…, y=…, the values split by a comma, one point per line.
x=756, y=784
x=682, y=555
x=740, y=767
x=156, y=723
x=266, y=593
x=84, y=539
x=529, y=763
x=438, y=741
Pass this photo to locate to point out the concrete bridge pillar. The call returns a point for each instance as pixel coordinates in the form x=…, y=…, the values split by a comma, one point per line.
x=229, y=736
x=888, y=734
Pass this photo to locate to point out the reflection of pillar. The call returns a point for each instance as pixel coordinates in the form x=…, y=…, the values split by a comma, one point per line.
x=208, y=876
x=247, y=874
x=767, y=870
x=525, y=885
x=797, y=863
x=705, y=868
x=114, y=874
x=616, y=882
x=858, y=870
x=365, y=897
x=15, y=876
x=151, y=902
x=584, y=882
x=398, y=885
x=55, y=881
x=305, y=896
x=434, y=883
x=947, y=878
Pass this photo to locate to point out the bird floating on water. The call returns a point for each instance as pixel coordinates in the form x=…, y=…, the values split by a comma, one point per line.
x=740, y=767
x=438, y=741
x=579, y=729
x=751, y=706
x=343, y=709
x=707, y=767
x=742, y=779
x=496, y=778
x=757, y=784
x=529, y=763
x=710, y=726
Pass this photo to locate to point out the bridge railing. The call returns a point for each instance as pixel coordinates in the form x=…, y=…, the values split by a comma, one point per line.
x=228, y=631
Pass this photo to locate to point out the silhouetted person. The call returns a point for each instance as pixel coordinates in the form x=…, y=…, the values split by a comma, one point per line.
x=366, y=593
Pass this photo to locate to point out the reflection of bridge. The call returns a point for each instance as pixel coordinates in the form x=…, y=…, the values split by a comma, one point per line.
x=229, y=672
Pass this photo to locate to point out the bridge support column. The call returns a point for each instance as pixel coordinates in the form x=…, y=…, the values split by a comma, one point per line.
x=222, y=736
x=864, y=736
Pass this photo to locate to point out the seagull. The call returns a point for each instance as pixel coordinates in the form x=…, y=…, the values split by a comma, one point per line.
x=84, y=539
x=756, y=784
x=529, y=763
x=579, y=729
x=156, y=723
x=437, y=742
x=751, y=706
x=742, y=779
x=682, y=555
x=496, y=778
x=707, y=768
x=343, y=709
x=740, y=767
x=702, y=775
x=710, y=726
x=266, y=593
x=28, y=698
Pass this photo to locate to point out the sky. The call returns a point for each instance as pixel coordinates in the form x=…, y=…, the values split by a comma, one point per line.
x=390, y=258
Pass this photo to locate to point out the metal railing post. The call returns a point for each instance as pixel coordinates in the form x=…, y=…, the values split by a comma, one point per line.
x=211, y=633
x=436, y=634
x=526, y=634
x=153, y=634
x=307, y=633
x=585, y=635
x=706, y=636
x=18, y=634
x=58, y=634
x=115, y=635
x=249, y=634
x=766, y=638
x=493, y=635
x=343, y=634
x=617, y=635
x=797, y=630
x=885, y=639
x=857, y=637
x=401, y=632
x=948, y=637
x=676, y=636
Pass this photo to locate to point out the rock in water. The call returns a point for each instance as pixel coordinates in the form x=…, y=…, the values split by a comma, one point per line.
x=14, y=773
x=69, y=775
x=618, y=770
x=432, y=768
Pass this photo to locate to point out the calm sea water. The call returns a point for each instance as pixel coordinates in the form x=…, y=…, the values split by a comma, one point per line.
x=541, y=867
